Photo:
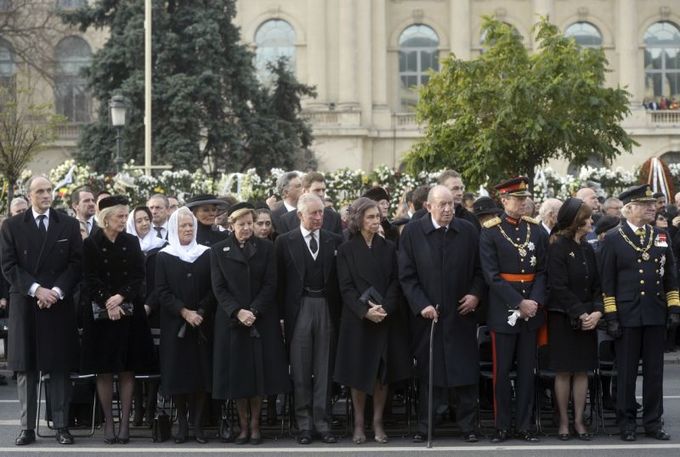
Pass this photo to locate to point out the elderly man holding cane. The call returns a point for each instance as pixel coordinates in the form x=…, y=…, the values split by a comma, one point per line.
x=439, y=265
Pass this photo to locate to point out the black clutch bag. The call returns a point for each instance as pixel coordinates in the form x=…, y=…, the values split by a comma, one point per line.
x=99, y=312
x=372, y=295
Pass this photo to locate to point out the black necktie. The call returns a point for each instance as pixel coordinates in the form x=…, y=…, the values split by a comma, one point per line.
x=313, y=245
x=41, y=225
x=159, y=232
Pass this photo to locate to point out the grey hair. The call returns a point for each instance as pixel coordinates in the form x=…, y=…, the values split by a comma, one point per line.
x=627, y=210
x=104, y=214
x=161, y=197
x=305, y=200
x=284, y=181
x=609, y=201
x=549, y=206
x=16, y=200
x=356, y=211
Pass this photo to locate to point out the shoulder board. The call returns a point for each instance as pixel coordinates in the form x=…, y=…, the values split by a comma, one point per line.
x=531, y=220
x=492, y=222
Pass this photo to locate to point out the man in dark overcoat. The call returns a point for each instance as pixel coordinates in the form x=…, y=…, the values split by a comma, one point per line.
x=640, y=288
x=439, y=266
x=289, y=187
x=41, y=259
x=512, y=253
x=308, y=289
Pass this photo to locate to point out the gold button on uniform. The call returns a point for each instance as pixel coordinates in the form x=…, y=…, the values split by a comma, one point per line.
x=641, y=271
x=642, y=281
x=642, y=293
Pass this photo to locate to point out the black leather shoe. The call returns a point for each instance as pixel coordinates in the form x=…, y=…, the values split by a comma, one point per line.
x=628, y=436
x=527, y=436
x=500, y=436
x=25, y=437
x=419, y=437
x=64, y=437
x=659, y=435
x=584, y=436
x=304, y=438
x=470, y=437
x=329, y=438
x=563, y=436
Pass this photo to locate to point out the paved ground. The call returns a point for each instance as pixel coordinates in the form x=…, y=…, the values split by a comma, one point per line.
x=602, y=446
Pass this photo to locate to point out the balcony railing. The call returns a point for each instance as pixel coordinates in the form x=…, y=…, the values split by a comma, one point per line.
x=665, y=118
x=69, y=131
x=404, y=121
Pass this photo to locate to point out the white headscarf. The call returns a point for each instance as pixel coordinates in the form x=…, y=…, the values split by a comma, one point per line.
x=190, y=252
x=150, y=240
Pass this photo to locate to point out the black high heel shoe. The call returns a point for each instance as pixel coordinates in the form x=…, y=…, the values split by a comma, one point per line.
x=110, y=439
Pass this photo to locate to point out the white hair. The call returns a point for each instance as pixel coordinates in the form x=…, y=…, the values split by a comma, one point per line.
x=549, y=206
x=305, y=200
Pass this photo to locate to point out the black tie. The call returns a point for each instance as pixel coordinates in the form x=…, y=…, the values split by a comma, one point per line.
x=313, y=245
x=159, y=232
x=41, y=225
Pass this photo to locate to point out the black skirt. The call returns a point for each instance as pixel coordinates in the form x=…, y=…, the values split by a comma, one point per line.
x=570, y=350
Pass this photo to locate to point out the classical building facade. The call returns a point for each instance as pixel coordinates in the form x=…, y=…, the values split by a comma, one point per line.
x=366, y=56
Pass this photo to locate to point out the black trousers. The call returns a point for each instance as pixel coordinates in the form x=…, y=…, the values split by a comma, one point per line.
x=506, y=348
x=466, y=398
x=635, y=343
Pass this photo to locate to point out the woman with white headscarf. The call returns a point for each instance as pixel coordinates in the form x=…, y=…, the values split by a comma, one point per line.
x=139, y=225
x=187, y=306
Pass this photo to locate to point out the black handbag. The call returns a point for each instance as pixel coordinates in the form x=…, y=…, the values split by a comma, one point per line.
x=99, y=313
x=372, y=295
x=226, y=431
x=161, y=428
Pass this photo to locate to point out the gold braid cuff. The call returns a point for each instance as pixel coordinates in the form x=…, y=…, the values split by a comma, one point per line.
x=673, y=298
x=609, y=304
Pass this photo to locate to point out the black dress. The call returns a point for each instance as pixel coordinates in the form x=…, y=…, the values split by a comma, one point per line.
x=370, y=351
x=248, y=361
x=109, y=269
x=186, y=362
x=574, y=286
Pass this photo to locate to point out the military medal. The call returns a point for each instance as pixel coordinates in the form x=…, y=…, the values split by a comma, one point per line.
x=521, y=248
x=642, y=250
x=532, y=262
x=531, y=246
x=522, y=252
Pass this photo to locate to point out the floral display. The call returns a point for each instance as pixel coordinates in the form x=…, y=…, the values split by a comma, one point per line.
x=342, y=185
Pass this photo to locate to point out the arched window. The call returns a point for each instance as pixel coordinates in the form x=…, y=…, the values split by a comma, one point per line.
x=274, y=39
x=662, y=61
x=72, y=54
x=585, y=34
x=8, y=86
x=418, y=53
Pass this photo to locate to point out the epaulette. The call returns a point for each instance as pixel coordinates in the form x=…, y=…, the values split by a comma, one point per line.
x=492, y=222
x=531, y=220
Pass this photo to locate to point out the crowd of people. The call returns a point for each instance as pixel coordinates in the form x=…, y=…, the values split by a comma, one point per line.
x=254, y=300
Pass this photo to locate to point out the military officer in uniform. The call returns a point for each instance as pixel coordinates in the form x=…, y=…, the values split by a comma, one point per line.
x=640, y=288
x=512, y=251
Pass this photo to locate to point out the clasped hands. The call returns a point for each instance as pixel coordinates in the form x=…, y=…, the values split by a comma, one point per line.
x=376, y=313
x=113, y=308
x=192, y=317
x=246, y=317
x=590, y=321
x=46, y=297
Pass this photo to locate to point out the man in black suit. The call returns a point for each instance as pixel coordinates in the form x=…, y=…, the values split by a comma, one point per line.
x=83, y=204
x=159, y=205
x=289, y=187
x=439, y=265
x=453, y=181
x=314, y=183
x=41, y=259
x=309, y=292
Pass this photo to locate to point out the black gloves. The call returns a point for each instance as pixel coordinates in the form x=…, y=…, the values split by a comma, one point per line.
x=673, y=320
x=614, y=328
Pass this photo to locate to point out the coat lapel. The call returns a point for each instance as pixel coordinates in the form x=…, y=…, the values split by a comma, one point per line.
x=327, y=253
x=296, y=249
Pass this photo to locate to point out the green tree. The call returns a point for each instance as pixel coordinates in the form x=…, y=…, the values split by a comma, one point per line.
x=508, y=111
x=209, y=110
x=26, y=128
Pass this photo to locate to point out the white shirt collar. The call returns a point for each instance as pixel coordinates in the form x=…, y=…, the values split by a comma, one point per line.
x=633, y=227
x=35, y=214
x=289, y=208
x=437, y=226
x=305, y=232
x=548, y=229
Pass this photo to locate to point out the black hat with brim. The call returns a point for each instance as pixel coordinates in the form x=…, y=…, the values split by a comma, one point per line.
x=485, y=205
x=567, y=214
x=204, y=199
x=240, y=206
x=377, y=194
x=640, y=193
x=108, y=202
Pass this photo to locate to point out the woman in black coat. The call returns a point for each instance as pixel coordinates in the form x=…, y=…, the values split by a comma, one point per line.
x=249, y=358
x=574, y=309
x=139, y=224
x=119, y=341
x=372, y=346
x=187, y=306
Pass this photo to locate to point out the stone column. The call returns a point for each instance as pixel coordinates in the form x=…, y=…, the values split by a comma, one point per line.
x=365, y=61
x=316, y=50
x=347, y=55
x=626, y=46
x=459, y=23
x=379, y=41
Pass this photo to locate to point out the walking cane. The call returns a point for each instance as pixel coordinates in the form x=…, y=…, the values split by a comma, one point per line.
x=430, y=383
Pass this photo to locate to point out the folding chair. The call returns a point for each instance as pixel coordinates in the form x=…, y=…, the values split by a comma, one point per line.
x=74, y=378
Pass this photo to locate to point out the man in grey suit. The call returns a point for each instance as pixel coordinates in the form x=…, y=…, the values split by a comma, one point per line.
x=41, y=259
